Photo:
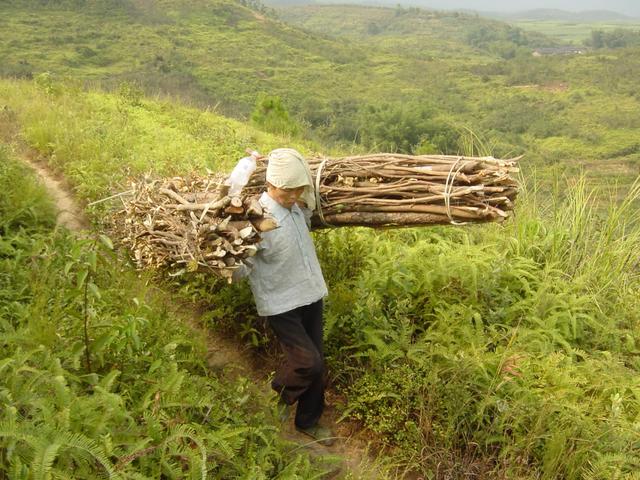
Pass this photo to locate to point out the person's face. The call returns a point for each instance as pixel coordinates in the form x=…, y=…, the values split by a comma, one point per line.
x=286, y=197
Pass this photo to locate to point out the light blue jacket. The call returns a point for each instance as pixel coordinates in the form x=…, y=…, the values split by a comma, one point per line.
x=285, y=273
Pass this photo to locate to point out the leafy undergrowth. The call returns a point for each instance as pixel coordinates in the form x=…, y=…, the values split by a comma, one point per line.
x=515, y=344
x=508, y=351
x=99, y=141
x=99, y=380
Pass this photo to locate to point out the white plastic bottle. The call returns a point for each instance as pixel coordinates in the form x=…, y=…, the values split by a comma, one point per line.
x=240, y=175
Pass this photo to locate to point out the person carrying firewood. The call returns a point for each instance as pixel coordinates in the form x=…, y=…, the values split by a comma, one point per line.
x=288, y=289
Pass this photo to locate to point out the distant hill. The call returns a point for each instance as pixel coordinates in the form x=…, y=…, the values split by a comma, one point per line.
x=343, y=67
x=580, y=10
x=217, y=52
x=427, y=31
x=227, y=53
x=542, y=14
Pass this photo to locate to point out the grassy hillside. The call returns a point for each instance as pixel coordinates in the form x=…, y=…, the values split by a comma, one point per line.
x=497, y=351
x=585, y=16
x=213, y=51
x=574, y=111
x=221, y=53
x=575, y=32
x=81, y=132
x=435, y=33
x=100, y=378
x=501, y=351
x=435, y=76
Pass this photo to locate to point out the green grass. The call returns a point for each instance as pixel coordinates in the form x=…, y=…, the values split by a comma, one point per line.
x=518, y=343
x=497, y=350
x=511, y=350
x=100, y=378
x=84, y=132
x=572, y=32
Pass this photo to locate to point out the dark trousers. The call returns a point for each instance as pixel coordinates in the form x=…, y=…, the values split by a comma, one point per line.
x=302, y=376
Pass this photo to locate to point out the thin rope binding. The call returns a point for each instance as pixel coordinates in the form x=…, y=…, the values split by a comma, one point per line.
x=448, y=189
x=317, y=192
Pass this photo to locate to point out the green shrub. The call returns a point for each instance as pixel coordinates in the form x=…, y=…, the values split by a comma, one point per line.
x=23, y=202
x=496, y=337
x=99, y=378
x=271, y=115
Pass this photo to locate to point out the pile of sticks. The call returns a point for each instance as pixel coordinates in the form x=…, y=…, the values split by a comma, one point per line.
x=191, y=224
x=386, y=190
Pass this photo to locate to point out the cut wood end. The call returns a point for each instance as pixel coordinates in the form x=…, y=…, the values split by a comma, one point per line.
x=231, y=210
x=265, y=224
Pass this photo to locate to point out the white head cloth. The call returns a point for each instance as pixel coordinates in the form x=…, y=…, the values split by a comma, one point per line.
x=287, y=168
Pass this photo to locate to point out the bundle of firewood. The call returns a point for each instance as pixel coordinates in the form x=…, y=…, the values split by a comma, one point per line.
x=402, y=190
x=192, y=224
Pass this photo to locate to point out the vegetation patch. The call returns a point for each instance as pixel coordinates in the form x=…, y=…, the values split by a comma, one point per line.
x=509, y=351
x=99, y=378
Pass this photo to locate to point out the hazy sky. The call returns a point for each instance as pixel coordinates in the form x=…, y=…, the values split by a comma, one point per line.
x=628, y=7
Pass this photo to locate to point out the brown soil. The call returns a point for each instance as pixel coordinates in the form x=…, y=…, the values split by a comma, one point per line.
x=69, y=215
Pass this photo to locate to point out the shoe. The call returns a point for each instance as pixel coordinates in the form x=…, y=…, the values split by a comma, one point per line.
x=323, y=435
x=283, y=411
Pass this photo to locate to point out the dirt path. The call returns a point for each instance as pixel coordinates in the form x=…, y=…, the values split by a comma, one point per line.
x=70, y=215
x=226, y=356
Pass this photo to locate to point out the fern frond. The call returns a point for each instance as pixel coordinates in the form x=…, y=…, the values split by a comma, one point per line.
x=43, y=457
x=11, y=430
x=185, y=431
x=58, y=474
x=85, y=444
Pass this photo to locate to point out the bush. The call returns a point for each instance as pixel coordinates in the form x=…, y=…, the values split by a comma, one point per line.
x=493, y=337
x=405, y=129
x=617, y=38
x=100, y=379
x=271, y=115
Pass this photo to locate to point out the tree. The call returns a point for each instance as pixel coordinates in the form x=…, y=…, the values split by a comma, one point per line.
x=271, y=115
x=597, y=39
x=409, y=128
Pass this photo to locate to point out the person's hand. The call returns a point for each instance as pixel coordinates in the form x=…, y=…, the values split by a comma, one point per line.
x=255, y=154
